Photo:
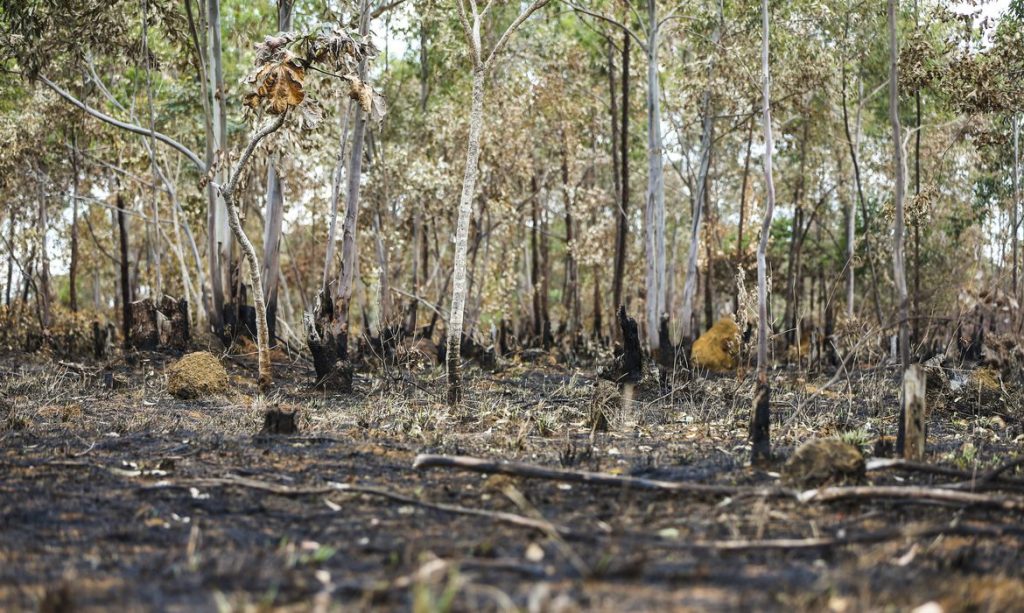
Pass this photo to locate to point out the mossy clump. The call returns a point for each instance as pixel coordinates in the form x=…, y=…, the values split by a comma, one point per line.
x=824, y=461
x=718, y=349
x=196, y=375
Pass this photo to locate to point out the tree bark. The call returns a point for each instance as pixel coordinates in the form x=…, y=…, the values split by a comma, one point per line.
x=273, y=220
x=43, y=294
x=791, y=315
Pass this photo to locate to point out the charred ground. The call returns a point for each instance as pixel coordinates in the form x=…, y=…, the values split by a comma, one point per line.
x=132, y=499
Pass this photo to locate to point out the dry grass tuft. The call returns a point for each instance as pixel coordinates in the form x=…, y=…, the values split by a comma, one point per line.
x=718, y=349
x=196, y=375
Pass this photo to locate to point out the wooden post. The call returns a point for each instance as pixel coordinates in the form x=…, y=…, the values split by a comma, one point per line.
x=914, y=410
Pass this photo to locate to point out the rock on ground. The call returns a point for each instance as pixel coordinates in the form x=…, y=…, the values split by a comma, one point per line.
x=196, y=375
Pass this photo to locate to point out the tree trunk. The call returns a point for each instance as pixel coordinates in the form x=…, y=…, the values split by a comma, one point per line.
x=622, y=223
x=899, y=268
x=73, y=266
x=10, y=261
x=227, y=192
x=274, y=216
x=654, y=211
x=272, y=244
x=743, y=208
x=572, y=295
x=760, y=435
x=453, y=354
x=854, y=144
x=791, y=315
x=337, y=176
x=220, y=239
x=1017, y=192
x=538, y=316
x=126, y=296
x=349, y=250
x=706, y=142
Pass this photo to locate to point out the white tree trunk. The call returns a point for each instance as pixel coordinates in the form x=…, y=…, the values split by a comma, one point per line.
x=476, y=118
x=220, y=241
x=654, y=211
x=759, y=428
x=899, y=267
x=1016, y=199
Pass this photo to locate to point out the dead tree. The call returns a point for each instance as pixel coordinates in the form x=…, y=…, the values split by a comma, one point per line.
x=628, y=366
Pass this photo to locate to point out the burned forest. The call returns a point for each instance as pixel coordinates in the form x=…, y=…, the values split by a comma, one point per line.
x=538, y=306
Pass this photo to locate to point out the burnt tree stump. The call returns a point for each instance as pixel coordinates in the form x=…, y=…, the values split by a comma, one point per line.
x=277, y=421
x=327, y=339
x=143, y=331
x=102, y=339
x=175, y=334
x=628, y=366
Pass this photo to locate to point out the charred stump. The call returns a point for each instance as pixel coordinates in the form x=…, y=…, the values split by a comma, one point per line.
x=175, y=334
x=327, y=339
x=760, y=434
x=628, y=366
x=667, y=352
x=102, y=339
x=143, y=331
x=277, y=421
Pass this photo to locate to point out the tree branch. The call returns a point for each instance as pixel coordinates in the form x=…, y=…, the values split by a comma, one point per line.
x=167, y=140
x=610, y=20
x=530, y=10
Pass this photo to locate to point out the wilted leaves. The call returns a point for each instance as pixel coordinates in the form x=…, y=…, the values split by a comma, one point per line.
x=278, y=86
x=277, y=82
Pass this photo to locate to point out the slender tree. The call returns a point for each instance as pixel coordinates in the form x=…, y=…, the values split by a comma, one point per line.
x=899, y=267
x=760, y=435
x=472, y=21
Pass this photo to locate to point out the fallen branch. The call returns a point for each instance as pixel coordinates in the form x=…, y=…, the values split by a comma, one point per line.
x=972, y=480
x=289, y=491
x=912, y=494
x=826, y=542
x=532, y=471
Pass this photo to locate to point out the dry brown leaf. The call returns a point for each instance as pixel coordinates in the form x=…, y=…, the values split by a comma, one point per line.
x=279, y=85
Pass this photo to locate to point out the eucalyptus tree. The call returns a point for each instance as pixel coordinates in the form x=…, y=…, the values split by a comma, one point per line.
x=760, y=421
x=899, y=186
x=472, y=18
